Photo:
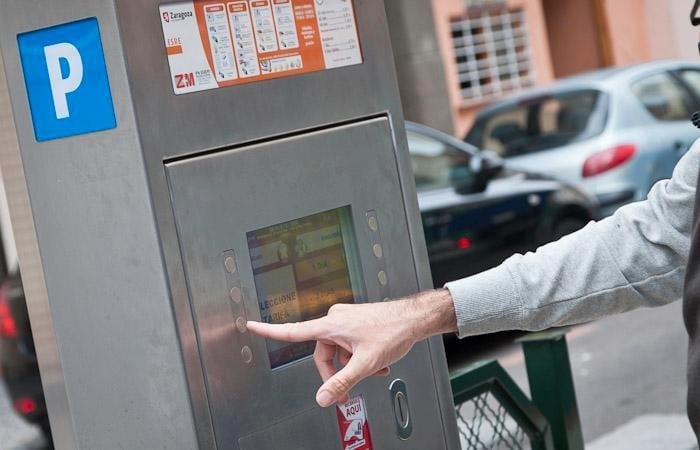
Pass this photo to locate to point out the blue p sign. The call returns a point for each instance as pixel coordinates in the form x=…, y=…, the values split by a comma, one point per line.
x=66, y=78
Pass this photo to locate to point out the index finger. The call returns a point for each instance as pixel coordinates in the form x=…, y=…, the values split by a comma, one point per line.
x=290, y=332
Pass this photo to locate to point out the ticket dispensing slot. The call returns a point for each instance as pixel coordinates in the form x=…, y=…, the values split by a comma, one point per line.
x=278, y=248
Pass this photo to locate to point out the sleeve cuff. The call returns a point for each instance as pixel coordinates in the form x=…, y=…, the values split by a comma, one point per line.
x=486, y=303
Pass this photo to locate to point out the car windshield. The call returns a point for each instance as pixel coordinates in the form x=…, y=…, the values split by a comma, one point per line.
x=541, y=123
x=437, y=164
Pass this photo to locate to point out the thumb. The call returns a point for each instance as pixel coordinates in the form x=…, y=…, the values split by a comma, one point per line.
x=338, y=386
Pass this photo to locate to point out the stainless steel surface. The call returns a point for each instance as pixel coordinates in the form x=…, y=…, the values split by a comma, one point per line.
x=90, y=200
x=298, y=434
x=332, y=159
x=180, y=132
x=33, y=280
x=107, y=193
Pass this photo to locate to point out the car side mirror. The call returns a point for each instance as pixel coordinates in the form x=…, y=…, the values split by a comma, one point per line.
x=485, y=166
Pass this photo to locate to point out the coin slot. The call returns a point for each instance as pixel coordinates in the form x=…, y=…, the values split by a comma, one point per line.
x=402, y=410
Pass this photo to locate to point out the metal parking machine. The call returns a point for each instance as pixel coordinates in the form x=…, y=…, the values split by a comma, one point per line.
x=195, y=164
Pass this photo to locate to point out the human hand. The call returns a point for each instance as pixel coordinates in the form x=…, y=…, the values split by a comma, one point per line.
x=365, y=339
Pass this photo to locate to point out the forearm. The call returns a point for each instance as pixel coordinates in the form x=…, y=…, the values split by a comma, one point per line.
x=635, y=258
x=431, y=312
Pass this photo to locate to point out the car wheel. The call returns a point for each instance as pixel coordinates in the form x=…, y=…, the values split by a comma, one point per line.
x=566, y=226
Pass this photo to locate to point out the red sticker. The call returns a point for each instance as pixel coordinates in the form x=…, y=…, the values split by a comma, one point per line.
x=354, y=428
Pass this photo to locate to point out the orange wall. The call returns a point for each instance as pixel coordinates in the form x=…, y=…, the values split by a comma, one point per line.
x=627, y=28
x=572, y=27
x=445, y=10
x=673, y=37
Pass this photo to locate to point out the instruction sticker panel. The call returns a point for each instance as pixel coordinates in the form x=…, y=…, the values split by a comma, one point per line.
x=214, y=44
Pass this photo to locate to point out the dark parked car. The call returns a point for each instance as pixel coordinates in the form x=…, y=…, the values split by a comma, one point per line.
x=18, y=362
x=477, y=211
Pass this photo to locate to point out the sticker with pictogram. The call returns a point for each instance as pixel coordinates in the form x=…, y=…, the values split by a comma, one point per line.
x=212, y=44
x=354, y=427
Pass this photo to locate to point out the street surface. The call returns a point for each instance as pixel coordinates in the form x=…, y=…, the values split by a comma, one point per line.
x=624, y=367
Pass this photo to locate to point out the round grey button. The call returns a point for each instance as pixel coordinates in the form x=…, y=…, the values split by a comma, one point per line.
x=381, y=276
x=247, y=354
x=230, y=264
x=373, y=224
x=235, y=294
x=378, y=251
x=241, y=325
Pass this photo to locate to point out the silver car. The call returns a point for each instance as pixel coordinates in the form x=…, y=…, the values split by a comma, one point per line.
x=617, y=131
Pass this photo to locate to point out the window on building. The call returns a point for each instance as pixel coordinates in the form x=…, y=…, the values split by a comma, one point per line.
x=492, y=53
x=663, y=97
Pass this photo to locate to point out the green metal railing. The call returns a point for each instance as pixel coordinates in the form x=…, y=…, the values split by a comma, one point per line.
x=494, y=413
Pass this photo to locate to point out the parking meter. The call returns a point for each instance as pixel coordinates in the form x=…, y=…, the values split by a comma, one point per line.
x=192, y=165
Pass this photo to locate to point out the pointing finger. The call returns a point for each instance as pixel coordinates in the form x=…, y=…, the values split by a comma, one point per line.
x=290, y=332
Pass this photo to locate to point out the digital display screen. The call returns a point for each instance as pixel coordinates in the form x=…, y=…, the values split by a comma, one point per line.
x=301, y=269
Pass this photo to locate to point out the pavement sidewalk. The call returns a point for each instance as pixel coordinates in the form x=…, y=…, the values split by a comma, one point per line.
x=653, y=432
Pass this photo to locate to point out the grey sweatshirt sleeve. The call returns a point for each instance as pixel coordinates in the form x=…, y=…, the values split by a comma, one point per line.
x=635, y=258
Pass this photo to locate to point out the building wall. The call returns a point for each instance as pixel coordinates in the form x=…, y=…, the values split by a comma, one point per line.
x=574, y=35
x=643, y=30
x=631, y=31
x=670, y=31
x=446, y=10
x=419, y=63
x=628, y=35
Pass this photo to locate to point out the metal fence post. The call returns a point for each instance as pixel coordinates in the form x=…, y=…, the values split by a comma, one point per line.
x=552, y=386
